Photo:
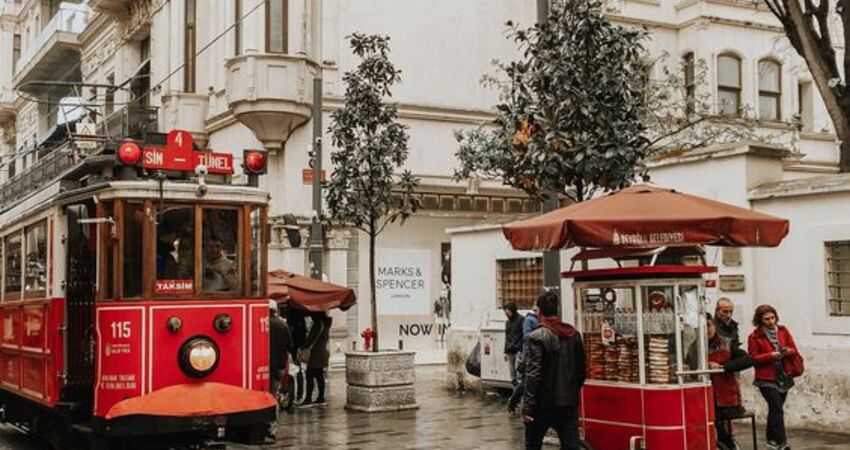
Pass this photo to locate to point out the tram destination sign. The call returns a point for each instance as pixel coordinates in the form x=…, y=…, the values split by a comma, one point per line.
x=179, y=154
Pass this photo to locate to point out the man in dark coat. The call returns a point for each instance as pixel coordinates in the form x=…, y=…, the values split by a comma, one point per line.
x=554, y=375
x=513, y=337
x=280, y=345
x=726, y=325
x=298, y=329
x=317, y=340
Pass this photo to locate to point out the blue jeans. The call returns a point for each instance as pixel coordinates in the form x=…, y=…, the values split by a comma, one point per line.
x=564, y=419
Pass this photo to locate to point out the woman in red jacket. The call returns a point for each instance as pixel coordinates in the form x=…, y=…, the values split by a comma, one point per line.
x=771, y=346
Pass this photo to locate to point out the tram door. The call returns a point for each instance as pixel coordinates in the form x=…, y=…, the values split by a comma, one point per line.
x=80, y=289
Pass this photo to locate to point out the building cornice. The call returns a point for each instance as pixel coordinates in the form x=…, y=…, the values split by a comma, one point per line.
x=827, y=184
x=718, y=152
x=699, y=20
x=742, y=4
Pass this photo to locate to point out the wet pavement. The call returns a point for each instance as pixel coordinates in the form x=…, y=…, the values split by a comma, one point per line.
x=445, y=420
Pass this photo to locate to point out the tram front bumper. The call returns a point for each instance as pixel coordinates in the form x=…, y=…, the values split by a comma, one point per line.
x=190, y=407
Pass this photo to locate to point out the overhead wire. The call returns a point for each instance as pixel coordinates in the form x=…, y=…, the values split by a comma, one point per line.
x=26, y=151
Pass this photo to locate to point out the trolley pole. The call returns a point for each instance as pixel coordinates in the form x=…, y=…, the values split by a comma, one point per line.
x=551, y=258
x=317, y=238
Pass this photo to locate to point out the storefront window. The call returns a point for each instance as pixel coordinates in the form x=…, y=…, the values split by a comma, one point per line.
x=12, y=269
x=221, y=250
x=175, y=251
x=520, y=281
x=134, y=217
x=609, y=322
x=257, y=226
x=36, y=266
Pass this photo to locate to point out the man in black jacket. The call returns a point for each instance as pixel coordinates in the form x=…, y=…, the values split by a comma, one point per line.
x=513, y=337
x=554, y=375
x=280, y=344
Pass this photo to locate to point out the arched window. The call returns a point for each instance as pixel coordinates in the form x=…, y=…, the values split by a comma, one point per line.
x=728, y=84
x=770, y=89
x=688, y=66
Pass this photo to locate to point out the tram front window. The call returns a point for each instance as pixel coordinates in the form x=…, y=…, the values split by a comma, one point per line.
x=220, y=250
x=175, y=244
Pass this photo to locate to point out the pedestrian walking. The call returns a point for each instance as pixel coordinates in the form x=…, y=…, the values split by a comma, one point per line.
x=723, y=354
x=317, y=344
x=777, y=362
x=529, y=324
x=513, y=338
x=726, y=325
x=295, y=319
x=280, y=345
x=554, y=375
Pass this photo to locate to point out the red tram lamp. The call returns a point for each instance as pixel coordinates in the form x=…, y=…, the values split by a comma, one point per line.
x=255, y=163
x=128, y=156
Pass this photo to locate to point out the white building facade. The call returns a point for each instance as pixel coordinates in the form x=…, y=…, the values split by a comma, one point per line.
x=238, y=74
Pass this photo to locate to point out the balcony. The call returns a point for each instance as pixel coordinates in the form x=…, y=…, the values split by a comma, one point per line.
x=7, y=108
x=55, y=53
x=112, y=7
x=186, y=111
x=272, y=94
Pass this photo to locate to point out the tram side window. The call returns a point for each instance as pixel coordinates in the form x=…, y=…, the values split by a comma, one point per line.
x=36, y=262
x=221, y=250
x=175, y=251
x=134, y=217
x=257, y=226
x=12, y=270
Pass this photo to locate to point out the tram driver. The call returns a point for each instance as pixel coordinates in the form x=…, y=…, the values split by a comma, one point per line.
x=219, y=271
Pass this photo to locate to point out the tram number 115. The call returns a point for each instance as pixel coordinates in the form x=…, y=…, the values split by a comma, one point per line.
x=120, y=330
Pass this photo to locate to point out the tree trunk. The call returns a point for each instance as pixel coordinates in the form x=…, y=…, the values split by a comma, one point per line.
x=373, y=298
x=818, y=65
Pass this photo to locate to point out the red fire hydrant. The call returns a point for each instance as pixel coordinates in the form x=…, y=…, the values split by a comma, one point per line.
x=367, y=338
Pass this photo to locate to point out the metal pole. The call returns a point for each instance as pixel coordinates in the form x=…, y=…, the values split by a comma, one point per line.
x=317, y=244
x=552, y=258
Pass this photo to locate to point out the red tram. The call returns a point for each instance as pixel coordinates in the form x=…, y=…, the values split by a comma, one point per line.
x=133, y=299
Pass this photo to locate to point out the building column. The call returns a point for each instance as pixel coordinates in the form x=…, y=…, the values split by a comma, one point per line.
x=336, y=269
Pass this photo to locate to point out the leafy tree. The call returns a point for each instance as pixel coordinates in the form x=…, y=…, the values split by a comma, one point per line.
x=806, y=25
x=368, y=190
x=578, y=111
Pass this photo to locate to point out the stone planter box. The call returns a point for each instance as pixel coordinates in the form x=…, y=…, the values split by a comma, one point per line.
x=383, y=381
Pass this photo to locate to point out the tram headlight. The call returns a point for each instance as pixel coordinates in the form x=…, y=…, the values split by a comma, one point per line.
x=198, y=357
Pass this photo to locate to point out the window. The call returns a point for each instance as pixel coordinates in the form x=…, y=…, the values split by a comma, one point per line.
x=520, y=280
x=805, y=109
x=35, y=272
x=189, y=48
x=690, y=82
x=16, y=50
x=770, y=89
x=728, y=85
x=221, y=251
x=257, y=228
x=109, y=100
x=237, y=27
x=276, y=26
x=12, y=168
x=175, y=251
x=133, y=224
x=12, y=268
x=838, y=277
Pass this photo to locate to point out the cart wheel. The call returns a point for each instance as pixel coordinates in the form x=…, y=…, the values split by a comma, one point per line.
x=286, y=397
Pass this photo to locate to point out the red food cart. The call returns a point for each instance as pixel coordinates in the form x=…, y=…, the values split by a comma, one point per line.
x=644, y=334
x=643, y=319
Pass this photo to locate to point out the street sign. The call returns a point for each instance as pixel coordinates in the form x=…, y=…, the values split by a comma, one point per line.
x=307, y=176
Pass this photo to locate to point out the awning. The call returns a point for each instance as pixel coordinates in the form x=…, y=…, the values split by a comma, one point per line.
x=647, y=216
x=307, y=293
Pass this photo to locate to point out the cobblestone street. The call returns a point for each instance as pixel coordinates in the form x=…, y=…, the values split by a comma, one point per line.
x=444, y=421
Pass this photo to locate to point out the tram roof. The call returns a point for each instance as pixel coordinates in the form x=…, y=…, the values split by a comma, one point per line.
x=54, y=194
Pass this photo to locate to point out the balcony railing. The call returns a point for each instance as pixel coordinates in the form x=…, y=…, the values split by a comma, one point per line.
x=70, y=18
x=42, y=172
x=129, y=122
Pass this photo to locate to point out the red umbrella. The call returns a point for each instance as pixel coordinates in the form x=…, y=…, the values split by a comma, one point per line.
x=647, y=216
x=308, y=293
